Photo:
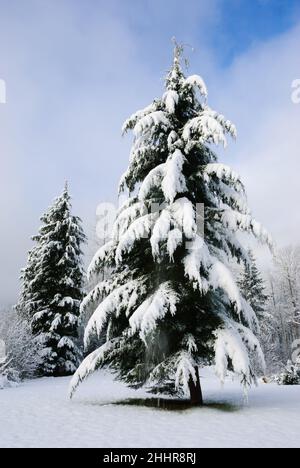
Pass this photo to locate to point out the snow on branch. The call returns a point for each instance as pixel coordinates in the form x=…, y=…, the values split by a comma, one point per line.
x=170, y=98
x=130, y=123
x=229, y=345
x=160, y=232
x=113, y=304
x=104, y=287
x=198, y=256
x=234, y=343
x=196, y=82
x=221, y=277
x=249, y=315
x=91, y=363
x=184, y=214
x=208, y=127
x=66, y=301
x=66, y=342
x=235, y=221
x=222, y=172
x=101, y=257
x=56, y=322
x=153, y=309
x=156, y=119
x=152, y=180
x=126, y=217
x=40, y=315
x=174, y=181
x=174, y=142
x=168, y=176
x=174, y=241
x=185, y=370
x=231, y=197
x=190, y=343
x=139, y=229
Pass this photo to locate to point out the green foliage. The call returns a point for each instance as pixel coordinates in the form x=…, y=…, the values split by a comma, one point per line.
x=53, y=288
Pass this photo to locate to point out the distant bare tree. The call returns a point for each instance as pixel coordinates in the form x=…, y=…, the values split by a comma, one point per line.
x=281, y=326
x=21, y=350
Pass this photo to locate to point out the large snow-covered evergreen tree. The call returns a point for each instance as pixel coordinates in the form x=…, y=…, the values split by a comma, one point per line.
x=252, y=286
x=53, y=288
x=171, y=302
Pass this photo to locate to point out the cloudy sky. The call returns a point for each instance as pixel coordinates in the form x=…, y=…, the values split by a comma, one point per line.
x=74, y=70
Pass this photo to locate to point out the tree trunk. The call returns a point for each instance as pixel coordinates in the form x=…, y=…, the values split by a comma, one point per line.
x=195, y=389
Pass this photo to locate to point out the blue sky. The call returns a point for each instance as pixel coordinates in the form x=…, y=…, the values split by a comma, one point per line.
x=244, y=23
x=230, y=27
x=76, y=69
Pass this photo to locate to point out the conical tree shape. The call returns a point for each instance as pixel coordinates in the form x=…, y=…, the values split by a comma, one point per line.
x=252, y=286
x=53, y=288
x=171, y=303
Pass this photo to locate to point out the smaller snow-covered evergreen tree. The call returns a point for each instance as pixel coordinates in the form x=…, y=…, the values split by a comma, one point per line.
x=253, y=289
x=252, y=286
x=291, y=374
x=53, y=288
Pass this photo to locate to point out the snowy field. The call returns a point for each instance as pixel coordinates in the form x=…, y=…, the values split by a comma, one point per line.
x=38, y=414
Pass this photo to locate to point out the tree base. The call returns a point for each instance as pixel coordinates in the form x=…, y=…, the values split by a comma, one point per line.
x=196, y=397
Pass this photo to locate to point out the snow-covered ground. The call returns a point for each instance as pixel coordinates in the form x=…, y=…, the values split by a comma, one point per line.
x=39, y=414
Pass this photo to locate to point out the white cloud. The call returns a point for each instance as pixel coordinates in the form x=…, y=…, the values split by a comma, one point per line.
x=256, y=94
